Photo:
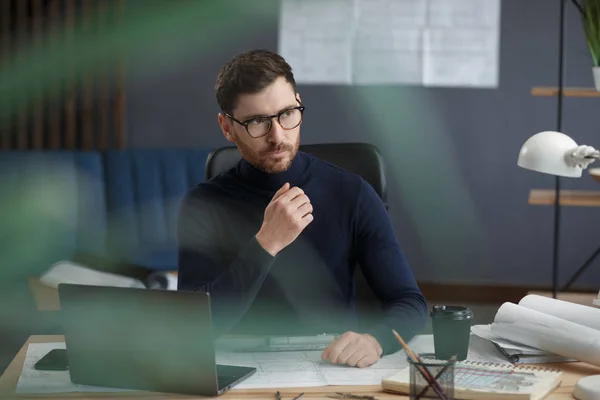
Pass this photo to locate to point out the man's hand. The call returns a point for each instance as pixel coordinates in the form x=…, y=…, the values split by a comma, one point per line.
x=354, y=349
x=286, y=216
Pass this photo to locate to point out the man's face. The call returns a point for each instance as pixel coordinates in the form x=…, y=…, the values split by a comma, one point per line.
x=275, y=151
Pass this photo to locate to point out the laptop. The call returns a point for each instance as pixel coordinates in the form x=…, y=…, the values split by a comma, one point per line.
x=140, y=339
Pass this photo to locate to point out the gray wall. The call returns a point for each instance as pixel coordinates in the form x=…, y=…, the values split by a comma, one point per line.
x=457, y=199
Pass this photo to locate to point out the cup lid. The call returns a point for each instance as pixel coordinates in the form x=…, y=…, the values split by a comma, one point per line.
x=454, y=312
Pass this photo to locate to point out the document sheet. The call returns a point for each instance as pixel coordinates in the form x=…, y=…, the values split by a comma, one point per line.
x=274, y=369
x=416, y=42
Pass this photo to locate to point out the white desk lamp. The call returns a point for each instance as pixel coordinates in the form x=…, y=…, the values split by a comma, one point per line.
x=555, y=153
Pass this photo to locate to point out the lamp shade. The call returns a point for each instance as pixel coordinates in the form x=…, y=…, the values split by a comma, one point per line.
x=545, y=152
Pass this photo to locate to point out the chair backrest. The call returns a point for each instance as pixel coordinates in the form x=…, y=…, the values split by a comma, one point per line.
x=362, y=159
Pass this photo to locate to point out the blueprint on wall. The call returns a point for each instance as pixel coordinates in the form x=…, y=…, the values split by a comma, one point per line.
x=416, y=42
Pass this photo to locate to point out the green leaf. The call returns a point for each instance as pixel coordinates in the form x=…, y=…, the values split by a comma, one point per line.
x=590, y=18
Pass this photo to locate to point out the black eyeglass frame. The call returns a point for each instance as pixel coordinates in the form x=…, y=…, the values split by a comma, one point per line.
x=270, y=119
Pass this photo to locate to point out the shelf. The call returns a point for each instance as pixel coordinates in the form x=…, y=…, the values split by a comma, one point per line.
x=567, y=92
x=578, y=198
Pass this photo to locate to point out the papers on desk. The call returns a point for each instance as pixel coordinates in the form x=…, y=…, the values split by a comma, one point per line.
x=542, y=329
x=304, y=369
x=34, y=381
x=517, y=353
x=307, y=369
x=274, y=369
x=70, y=272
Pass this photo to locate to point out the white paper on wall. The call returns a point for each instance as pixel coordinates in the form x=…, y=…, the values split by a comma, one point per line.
x=316, y=36
x=416, y=42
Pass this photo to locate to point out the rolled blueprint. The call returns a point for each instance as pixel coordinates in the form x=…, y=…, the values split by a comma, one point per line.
x=547, y=332
x=578, y=313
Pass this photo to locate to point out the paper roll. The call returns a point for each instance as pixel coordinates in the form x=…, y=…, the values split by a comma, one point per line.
x=584, y=315
x=547, y=332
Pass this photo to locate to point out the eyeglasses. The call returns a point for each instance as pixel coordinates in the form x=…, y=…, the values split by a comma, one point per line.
x=259, y=126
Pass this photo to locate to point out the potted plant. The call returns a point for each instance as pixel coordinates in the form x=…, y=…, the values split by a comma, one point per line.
x=589, y=11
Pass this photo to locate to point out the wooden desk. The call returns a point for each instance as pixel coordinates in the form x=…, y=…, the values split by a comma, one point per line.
x=8, y=382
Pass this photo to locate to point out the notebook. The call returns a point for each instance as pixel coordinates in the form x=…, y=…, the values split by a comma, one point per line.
x=486, y=381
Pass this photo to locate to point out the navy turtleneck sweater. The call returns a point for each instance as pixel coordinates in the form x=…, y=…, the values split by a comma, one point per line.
x=308, y=287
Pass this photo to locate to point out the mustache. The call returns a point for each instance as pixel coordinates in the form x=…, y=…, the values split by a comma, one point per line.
x=276, y=149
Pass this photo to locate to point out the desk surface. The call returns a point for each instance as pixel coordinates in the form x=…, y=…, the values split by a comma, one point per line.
x=8, y=382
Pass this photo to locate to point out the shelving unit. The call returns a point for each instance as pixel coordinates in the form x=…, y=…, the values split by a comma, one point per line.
x=582, y=198
x=575, y=198
x=558, y=197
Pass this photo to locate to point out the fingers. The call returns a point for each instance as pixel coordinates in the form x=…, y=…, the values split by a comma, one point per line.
x=353, y=349
x=350, y=351
x=305, y=209
x=336, y=348
x=282, y=190
x=366, y=361
x=356, y=358
x=289, y=195
x=299, y=201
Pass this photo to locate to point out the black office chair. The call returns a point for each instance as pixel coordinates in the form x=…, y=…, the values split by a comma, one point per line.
x=362, y=159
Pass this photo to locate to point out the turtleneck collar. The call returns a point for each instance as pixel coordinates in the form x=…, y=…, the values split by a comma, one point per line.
x=272, y=182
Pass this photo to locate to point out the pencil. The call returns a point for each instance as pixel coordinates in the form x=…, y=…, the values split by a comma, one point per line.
x=450, y=361
x=422, y=369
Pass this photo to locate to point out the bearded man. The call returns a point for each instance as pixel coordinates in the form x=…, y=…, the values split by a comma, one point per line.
x=276, y=239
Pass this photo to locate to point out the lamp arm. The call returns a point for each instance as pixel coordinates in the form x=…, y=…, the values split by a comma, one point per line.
x=581, y=156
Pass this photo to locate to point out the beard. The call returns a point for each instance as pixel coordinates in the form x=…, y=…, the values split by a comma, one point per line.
x=266, y=160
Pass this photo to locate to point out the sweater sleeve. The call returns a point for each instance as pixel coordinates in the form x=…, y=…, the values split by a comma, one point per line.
x=387, y=272
x=232, y=284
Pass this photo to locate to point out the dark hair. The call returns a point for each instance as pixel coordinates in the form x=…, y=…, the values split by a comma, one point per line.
x=249, y=73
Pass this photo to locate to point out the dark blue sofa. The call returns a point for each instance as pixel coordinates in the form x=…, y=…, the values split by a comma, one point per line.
x=118, y=205
x=53, y=205
x=144, y=188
